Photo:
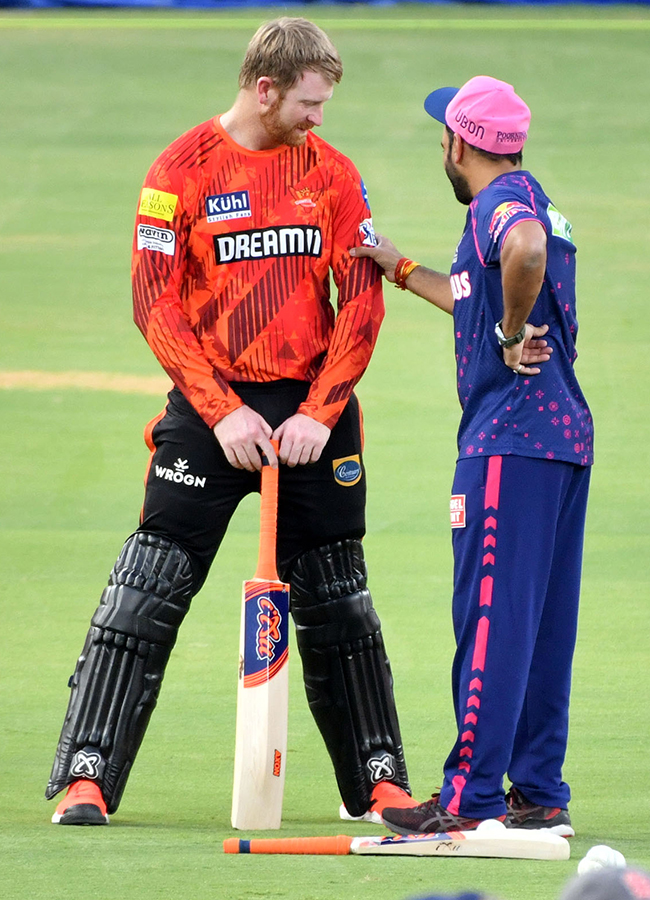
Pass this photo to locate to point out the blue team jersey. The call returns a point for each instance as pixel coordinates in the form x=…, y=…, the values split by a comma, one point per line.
x=544, y=415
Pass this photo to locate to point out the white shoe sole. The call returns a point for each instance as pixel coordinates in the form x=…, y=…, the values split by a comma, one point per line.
x=369, y=816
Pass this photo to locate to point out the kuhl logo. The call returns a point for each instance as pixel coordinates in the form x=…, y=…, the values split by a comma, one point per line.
x=222, y=207
x=381, y=768
x=180, y=475
x=268, y=635
x=86, y=764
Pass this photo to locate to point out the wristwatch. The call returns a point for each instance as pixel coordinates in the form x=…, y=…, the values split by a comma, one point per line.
x=509, y=341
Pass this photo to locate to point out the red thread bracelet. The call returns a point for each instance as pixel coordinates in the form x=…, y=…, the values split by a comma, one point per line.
x=403, y=269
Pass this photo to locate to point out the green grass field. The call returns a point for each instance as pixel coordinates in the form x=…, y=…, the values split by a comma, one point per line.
x=87, y=102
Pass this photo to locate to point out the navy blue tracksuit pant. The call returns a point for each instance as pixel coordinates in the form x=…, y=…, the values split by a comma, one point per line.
x=518, y=527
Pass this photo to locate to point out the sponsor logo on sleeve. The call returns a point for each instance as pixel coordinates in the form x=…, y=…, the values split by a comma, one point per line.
x=163, y=240
x=222, y=207
x=157, y=204
x=369, y=238
x=457, y=510
x=347, y=470
x=296, y=240
x=503, y=213
x=561, y=227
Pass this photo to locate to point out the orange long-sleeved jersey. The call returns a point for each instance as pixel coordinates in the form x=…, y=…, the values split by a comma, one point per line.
x=231, y=270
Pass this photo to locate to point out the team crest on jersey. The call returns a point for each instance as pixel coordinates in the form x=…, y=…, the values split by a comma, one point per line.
x=304, y=198
x=503, y=213
x=347, y=470
x=223, y=207
x=367, y=231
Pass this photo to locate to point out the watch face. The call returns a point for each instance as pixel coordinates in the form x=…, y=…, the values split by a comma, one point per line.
x=511, y=341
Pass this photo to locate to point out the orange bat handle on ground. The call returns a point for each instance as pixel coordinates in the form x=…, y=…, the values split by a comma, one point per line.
x=332, y=846
x=266, y=562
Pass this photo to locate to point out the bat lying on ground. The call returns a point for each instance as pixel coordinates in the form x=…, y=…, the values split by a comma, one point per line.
x=510, y=843
x=263, y=686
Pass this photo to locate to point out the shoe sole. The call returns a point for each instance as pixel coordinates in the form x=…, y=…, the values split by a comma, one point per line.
x=563, y=830
x=373, y=817
x=81, y=814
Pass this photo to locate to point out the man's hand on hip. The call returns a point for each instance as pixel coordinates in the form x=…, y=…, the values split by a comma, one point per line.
x=244, y=435
x=521, y=357
x=301, y=440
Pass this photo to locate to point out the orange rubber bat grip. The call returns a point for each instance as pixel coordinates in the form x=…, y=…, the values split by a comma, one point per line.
x=333, y=846
x=266, y=561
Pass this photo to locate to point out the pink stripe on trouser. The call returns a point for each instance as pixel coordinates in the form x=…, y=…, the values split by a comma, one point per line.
x=492, y=489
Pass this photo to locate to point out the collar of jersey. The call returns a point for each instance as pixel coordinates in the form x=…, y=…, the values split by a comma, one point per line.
x=274, y=151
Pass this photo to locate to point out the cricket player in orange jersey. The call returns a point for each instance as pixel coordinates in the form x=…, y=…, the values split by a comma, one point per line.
x=239, y=224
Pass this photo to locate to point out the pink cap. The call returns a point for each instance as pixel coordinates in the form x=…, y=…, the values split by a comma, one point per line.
x=485, y=112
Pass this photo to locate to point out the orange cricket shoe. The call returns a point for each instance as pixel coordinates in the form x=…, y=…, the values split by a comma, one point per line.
x=82, y=805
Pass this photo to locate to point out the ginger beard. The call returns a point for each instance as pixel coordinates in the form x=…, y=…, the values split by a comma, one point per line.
x=280, y=131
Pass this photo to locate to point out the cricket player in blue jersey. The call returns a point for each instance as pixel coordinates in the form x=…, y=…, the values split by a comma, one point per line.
x=519, y=495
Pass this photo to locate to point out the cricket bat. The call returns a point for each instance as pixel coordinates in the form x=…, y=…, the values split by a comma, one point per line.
x=510, y=843
x=263, y=685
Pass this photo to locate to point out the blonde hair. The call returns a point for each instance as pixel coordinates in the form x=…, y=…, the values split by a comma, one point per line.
x=286, y=48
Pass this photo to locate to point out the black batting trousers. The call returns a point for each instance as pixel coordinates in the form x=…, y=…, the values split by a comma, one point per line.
x=192, y=490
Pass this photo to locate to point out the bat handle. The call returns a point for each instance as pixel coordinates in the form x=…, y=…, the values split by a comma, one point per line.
x=337, y=846
x=266, y=561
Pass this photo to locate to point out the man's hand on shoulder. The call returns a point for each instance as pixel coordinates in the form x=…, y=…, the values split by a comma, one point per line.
x=301, y=440
x=244, y=435
x=385, y=253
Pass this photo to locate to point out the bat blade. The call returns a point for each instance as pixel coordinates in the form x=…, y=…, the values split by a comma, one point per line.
x=506, y=843
x=513, y=843
x=262, y=706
